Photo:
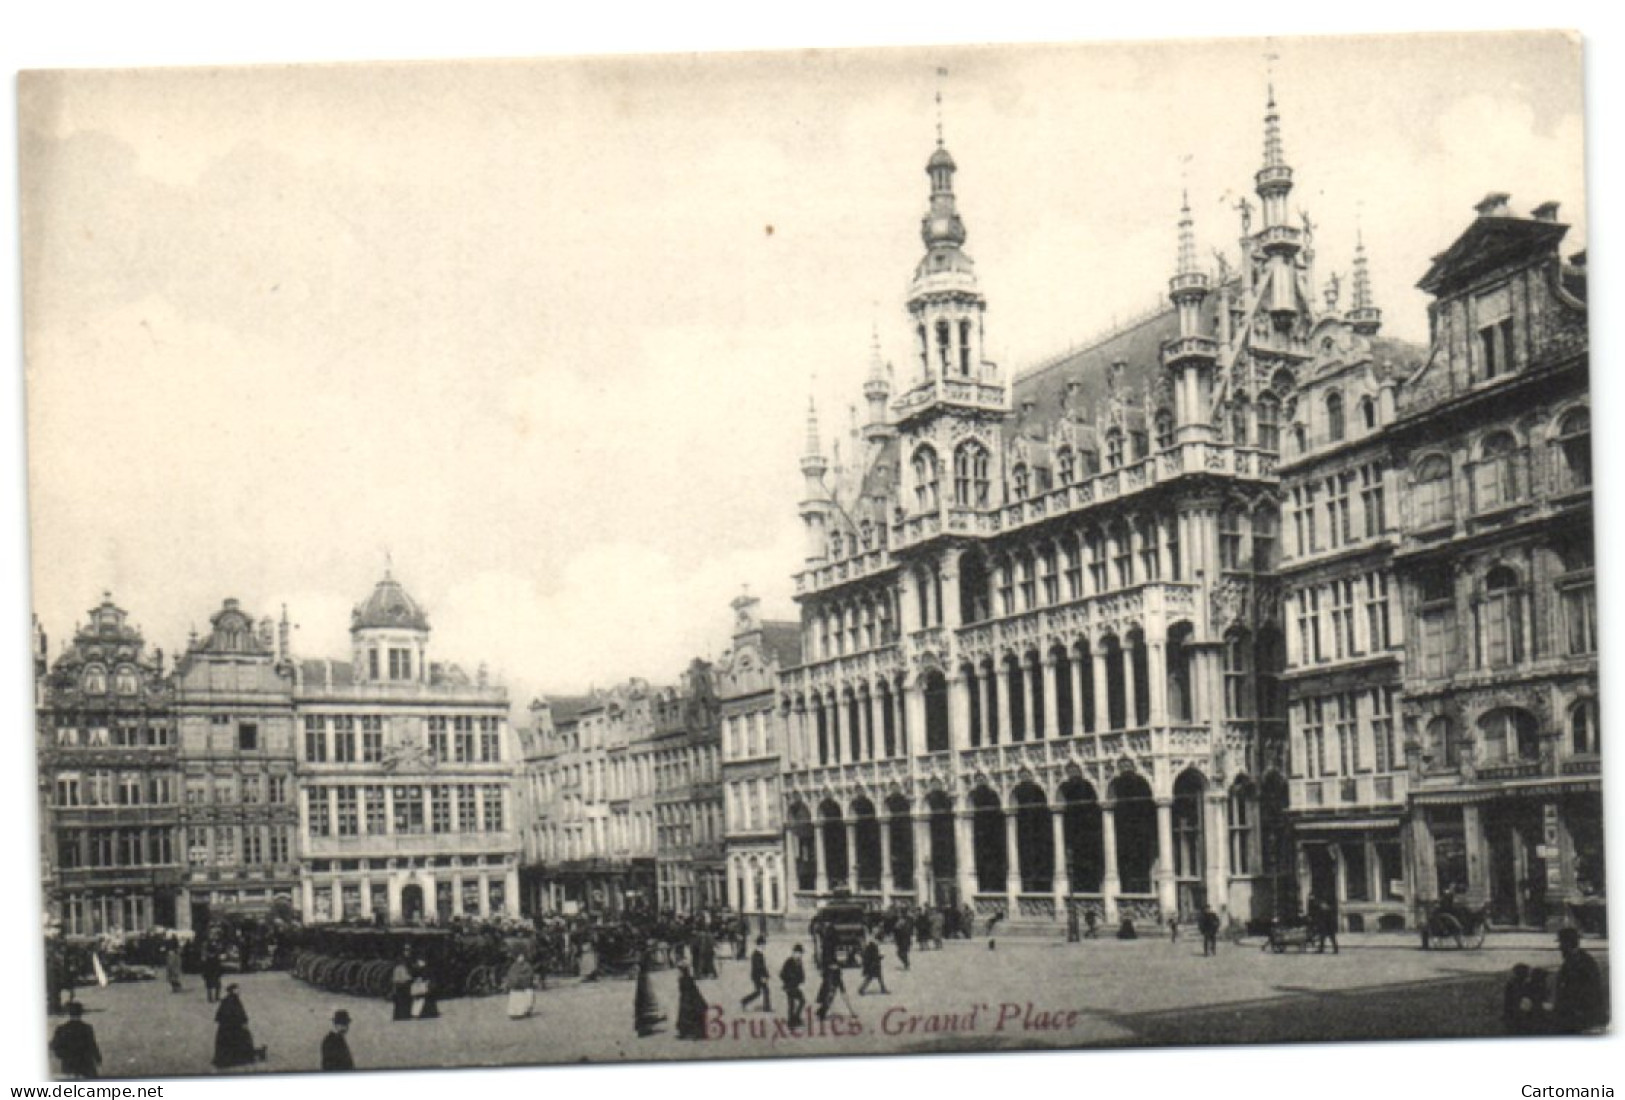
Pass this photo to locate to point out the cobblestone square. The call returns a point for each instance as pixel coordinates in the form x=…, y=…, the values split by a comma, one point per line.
x=1023, y=994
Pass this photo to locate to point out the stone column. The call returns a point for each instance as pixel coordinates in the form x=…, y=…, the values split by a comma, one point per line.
x=885, y=858
x=430, y=904
x=338, y=900
x=959, y=689
x=307, y=898
x=852, y=855
x=1063, y=870
x=1003, y=686
x=874, y=724
x=1078, y=671
x=457, y=895
x=1130, y=704
x=1052, y=721
x=1478, y=891
x=1165, y=857
x=510, y=890
x=1012, y=861
x=735, y=902
x=392, y=892
x=965, y=855
x=485, y=894
x=1103, y=712
x=923, y=857
x=821, y=881
x=985, y=683
x=912, y=731
x=837, y=729
x=1157, y=673
x=1216, y=832
x=1110, y=884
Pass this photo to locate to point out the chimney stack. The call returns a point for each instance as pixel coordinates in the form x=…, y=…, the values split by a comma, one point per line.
x=1546, y=212
x=1493, y=205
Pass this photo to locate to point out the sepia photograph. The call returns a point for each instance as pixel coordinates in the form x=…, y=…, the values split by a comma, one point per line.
x=810, y=553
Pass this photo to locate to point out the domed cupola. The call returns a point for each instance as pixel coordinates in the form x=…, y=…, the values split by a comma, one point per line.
x=389, y=607
x=389, y=636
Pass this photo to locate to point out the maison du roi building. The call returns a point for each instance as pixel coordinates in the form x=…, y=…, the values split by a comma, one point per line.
x=246, y=778
x=1240, y=603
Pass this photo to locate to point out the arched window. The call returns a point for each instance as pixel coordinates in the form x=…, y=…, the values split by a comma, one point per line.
x=1165, y=429
x=1500, y=626
x=1574, y=450
x=1065, y=465
x=1434, y=501
x=1368, y=413
x=964, y=348
x=1583, y=739
x=925, y=479
x=1265, y=538
x=1495, y=478
x=1019, y=482
x=1230, y=538
x=1240, y=411
x=1114, y=449
x=95, y=680
x=1334, y=417
x=1445, y=742
x=979, y=477
x=1238, y=656
x=962, y=486
x=944, y=344
x=1508, y=734
x=1269, y=423
x=124, y=681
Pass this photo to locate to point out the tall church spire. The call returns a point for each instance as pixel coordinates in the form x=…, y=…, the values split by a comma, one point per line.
x=1192, y=354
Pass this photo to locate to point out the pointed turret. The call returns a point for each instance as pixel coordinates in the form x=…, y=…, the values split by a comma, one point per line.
x=877, y=392
x=1365, y=317
x=815, y=501
x=1279, y=242
x=1191, y=355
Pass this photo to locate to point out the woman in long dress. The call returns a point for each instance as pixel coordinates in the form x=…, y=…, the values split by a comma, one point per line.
x=691, y=1006
x=521, y=986
x=233, y=1042
x=401, y=986
x=645, y=1008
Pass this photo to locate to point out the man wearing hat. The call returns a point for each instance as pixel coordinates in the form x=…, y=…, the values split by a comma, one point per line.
x=74, y=1044
x=335, y=1048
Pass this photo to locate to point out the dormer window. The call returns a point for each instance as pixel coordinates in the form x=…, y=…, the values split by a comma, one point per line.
x=125, y=682
x=1065, y=464
x=1114, y=449
x=400, y=664
x=1019, y=483
x=1368, y=414
x=95, y=680
x=1165, y=429
x=1492, y=313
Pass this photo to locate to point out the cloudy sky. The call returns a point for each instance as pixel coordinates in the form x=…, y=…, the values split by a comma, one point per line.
x=544, y=333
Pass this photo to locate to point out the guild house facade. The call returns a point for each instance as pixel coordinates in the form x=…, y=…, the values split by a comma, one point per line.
x=1143, y=628
x=406, y=772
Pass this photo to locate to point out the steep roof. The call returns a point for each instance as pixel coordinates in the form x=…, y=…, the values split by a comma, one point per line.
x=1137, y=344
x=782, y=639
x=1491, y=240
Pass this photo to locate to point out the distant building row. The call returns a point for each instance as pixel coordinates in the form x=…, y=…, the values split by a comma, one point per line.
x=245, y=779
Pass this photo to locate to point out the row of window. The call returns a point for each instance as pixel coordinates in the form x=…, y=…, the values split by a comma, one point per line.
x=350, y=739
x=1502, y=616
x=747, y=736
x=126, y=733
x=1347, y=733
x=599, y=837
x=126, y=681
x=1509, y=735
x=753, y=805
x=110, y=788
x=683, y=825
x=1499, y=475
x=404, y=810
x=1344, y=509
x=124, y=847
x=238, y=845
x=1342, y=619
x=248, y=789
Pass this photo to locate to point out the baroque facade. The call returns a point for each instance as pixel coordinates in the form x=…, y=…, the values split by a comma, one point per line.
x=109, y=775
x=752, y=748
x=406, y=773
x=235, y=721
x=1496, y=565
x=688, y=794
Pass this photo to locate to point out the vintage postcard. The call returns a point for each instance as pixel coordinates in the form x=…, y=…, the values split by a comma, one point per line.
x=823, y=553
